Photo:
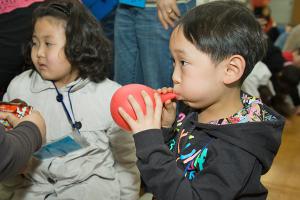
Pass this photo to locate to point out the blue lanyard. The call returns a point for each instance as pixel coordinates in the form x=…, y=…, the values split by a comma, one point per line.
x=60, y=98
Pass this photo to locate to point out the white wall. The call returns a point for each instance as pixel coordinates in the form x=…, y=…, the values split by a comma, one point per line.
x=282, y=10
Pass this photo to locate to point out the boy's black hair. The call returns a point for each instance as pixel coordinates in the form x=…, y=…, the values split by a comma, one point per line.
x=225, y=28
x=86, y=46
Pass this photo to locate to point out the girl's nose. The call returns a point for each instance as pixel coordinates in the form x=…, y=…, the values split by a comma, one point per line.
x=40, y=52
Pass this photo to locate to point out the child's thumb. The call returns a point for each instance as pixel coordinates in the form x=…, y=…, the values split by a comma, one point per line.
x=169, y=105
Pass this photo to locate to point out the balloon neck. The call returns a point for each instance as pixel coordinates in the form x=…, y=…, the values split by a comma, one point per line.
x=167, y=96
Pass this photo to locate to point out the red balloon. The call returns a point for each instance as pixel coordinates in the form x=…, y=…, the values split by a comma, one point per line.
x=119, y=99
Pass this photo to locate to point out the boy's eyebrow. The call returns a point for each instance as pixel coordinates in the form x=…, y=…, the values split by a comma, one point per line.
x=180, y=51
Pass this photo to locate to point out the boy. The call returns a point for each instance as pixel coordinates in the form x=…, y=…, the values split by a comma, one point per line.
x=228, y=139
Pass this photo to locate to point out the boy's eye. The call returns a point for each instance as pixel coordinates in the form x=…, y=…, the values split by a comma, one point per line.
x=173, y=60
x=183, y=63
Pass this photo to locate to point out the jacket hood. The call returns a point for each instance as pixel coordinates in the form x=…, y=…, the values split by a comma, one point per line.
x=260, y=138
x=38, y=84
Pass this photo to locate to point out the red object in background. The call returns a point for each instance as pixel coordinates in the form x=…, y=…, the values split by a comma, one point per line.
x=119, y=99
x=260, y=3
x=288, y=56
x=18, y=109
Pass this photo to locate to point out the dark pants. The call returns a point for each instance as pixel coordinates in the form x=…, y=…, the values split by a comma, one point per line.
x=107, y=24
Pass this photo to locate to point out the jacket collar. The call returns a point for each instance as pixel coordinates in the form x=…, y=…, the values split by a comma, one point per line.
x=38, y=84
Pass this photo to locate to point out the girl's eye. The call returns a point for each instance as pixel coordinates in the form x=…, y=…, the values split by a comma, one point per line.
x=33, y=43
x=48, y=44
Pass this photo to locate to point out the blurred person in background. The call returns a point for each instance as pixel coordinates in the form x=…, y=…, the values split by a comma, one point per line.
x=15, y=23
x=142, y=41
x=104, y=11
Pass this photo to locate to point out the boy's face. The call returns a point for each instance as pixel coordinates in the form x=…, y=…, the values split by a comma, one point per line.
x=47, y=53
x=198, y=81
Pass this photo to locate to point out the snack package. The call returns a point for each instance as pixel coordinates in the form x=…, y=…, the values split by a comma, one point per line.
x=19, y=109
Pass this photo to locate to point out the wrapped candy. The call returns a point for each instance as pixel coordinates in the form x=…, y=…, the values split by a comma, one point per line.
x=19, y=109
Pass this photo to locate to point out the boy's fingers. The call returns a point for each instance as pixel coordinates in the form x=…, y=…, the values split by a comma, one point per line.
x=174, y=104
x=148, y=102
x=169, y=104
x=125, y=116
x=158, y=107
x=164, y=90
x=136, y=107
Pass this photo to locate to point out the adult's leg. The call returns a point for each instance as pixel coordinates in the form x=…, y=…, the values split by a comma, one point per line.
x=153, y=41
x=125, y=45
x=107, y=24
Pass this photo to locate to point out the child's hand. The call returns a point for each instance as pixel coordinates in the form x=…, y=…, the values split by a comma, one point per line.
x=169, y=109
x=150, y=120
x=34, y=117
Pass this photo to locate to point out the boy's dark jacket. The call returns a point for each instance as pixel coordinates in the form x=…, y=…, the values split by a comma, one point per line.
x=238, y=154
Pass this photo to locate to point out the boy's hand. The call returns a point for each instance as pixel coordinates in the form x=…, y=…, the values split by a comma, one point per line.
x=169, y=109
x=149, y=120
x=35, y=117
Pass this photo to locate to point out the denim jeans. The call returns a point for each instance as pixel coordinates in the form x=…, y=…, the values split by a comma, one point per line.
x=107, y=24
x=142, y=46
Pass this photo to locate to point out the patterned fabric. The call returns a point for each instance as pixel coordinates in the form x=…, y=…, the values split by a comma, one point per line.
x=191, y=153
x=251, y=112
x=10, y=5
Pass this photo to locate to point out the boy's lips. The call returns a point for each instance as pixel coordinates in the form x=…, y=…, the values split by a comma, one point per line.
x=178, y=96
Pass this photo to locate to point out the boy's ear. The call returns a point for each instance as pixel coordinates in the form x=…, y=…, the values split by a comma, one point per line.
x=235, y=69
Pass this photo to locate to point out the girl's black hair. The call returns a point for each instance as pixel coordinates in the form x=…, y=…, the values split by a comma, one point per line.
x=86, y=48
x=225, y=28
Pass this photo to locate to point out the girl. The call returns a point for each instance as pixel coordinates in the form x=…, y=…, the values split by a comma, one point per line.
x=68, y=86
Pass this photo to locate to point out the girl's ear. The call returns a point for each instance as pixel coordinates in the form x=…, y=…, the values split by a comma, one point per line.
x=235, y=69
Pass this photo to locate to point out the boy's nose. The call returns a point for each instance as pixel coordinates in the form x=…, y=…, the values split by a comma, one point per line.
x=176, y=76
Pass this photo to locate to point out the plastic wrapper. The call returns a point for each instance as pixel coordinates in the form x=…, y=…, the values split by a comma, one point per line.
x=19, y=109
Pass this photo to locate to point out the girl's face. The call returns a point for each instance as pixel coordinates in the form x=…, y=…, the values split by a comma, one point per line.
x=198, y=81
x=47, y=53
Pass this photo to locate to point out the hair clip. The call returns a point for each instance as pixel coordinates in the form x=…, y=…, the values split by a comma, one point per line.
x=62, y=8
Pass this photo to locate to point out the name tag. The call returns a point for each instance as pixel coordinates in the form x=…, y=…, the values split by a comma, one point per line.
x=61, y=147
x=137, y=3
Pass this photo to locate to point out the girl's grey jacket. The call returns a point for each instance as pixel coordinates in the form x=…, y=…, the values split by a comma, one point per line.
x=106, y=169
